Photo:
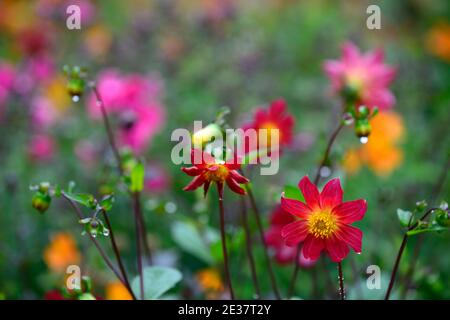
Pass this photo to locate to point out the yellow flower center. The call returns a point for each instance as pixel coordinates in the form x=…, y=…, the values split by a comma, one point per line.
x=322, y=224
x=218, y=175
x=270, y=126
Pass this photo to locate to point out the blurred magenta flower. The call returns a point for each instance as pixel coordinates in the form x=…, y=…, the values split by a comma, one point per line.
x=43, y=114
x=323, y=221
x=7, y=78
x=363, y=79
x=157, y=178
x=283, y=253
x=135, y=100
x=41, y=147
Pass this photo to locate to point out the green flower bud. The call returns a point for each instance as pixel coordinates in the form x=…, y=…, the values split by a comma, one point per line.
x=443, y=218
x=41, y=201
x=421, y=205
x=75, y=87
x=362, y=128
x=206, y=134
x=363, y=112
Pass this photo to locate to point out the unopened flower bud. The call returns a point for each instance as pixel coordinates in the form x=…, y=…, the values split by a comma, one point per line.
x=75, y=87
x=421, y=205
x=443, y=218
x=362, y=128
x=41, y=201
x=206, y=134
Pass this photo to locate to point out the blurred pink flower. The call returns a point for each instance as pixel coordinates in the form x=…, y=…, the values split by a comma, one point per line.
x=42, y=113
x=87, y=152
x=135, y=100
x=156, y=178
x=283, y=254
x=363, y=78
x=7, y=78
x=41, y=68
x=41, y=147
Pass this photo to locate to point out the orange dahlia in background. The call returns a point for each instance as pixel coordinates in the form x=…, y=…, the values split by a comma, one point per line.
x=381, y=154
x=438, y=41
x=61, y=252
x=210, y=282
x=117, y=291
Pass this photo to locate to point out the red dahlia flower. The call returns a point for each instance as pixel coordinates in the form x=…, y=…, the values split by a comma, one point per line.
x=276, y=117
x=324, y=221
x=207, y=169
x=283, y=254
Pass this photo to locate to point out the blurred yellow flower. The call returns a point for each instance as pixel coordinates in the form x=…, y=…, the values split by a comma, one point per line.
x=209, y=280
x=117, y=291
x=61, y=252
x=56, y=92
x=381, y=153
x=98, y=41
x=438, y=40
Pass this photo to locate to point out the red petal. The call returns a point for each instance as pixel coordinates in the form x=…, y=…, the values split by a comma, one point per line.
x=277, y=107
x=310, y=192
x=351, y=211
x=351, y=236
x=331, y=194
x=295, y=232
x=192, y=171
x=337, y=249
x=195, y=183
x=312, y=247
x=234, y=186
x=239, y=178
x=206, y=187
x=295, y=207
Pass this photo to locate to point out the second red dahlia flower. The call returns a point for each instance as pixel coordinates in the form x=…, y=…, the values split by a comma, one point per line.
x=324, y=221
x=207, y=170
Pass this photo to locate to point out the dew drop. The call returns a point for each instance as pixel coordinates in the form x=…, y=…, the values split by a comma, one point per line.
x=325, y=172
x=75, y=98
x=363, y=140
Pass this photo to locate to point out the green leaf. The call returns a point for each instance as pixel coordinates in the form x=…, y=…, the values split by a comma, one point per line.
x=404, y=217
x=107, y=202
x=157, y=281
x=292, y=192
x=137, y=178
x=84, y=199
x=433, y=228
x=188, y=237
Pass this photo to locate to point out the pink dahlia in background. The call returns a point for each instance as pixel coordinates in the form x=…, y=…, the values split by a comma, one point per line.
x=135, y=102
x=323, y=221
x=283, y=253
x=274, y=117
x=363, y=79
x=41, y=147
x=7, y=78
x=157, y=178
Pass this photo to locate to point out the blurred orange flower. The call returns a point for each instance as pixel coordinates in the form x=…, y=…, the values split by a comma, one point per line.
x=61, y=252
x=438, y=40
x=209, y=280
x=117, y=291
x=381, y=153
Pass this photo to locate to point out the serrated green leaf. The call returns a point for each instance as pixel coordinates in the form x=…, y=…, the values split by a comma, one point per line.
x=107, y=202
x=157, y=281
